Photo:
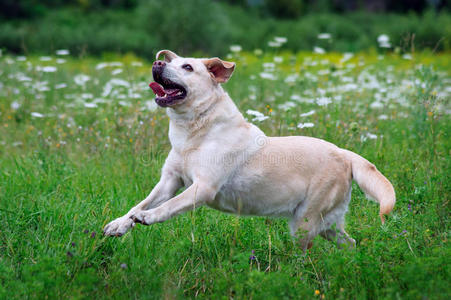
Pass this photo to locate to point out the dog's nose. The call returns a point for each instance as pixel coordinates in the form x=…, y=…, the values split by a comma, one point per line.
x=159, y=63
x=157, y=69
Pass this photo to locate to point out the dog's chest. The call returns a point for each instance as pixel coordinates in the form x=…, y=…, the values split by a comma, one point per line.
x=178, y=137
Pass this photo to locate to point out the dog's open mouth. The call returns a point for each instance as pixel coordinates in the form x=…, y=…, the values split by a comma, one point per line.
x=168, y=93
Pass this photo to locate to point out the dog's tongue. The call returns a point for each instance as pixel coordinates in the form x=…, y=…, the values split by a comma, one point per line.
x=157, y=89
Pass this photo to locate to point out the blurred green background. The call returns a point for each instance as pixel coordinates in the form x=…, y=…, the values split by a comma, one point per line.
x=209, y=27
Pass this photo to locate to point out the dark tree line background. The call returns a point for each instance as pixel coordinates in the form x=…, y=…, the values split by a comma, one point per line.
x=209, y=27
x=11, y=9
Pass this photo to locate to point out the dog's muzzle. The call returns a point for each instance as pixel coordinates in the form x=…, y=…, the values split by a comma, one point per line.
x=157, y=70
x=168, y=92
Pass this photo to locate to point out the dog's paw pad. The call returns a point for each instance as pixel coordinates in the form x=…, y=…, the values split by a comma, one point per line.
x=118, y=227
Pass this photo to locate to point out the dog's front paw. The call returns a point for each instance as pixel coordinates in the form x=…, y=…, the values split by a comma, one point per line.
x=142, y=217
x=119, y=226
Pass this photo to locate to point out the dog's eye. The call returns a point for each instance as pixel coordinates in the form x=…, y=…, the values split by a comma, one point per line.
x=188, y=67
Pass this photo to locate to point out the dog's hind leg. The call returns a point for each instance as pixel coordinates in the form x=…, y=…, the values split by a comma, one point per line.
x=337, y=216
x=340, y=236
x=304, y=230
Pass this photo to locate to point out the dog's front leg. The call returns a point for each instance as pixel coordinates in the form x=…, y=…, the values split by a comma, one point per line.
x=163, y=191
x=194, y=196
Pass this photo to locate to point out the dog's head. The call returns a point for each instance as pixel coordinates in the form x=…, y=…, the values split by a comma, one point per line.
x=180, y=80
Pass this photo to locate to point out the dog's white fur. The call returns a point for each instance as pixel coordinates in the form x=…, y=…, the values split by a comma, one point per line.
x=229, y=164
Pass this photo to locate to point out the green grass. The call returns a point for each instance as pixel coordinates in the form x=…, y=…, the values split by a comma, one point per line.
x=64, y=175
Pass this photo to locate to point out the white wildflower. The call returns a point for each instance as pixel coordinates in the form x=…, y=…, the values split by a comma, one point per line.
x=15, y=105
x=258, y=52
x=311, y=63
x=87, y=96
x=22, y=77
x=278, y=59
x=112, y=83
x=60, y=86
x=308, y=113
x=318, y=50
x=62, y=52
x=407, y=56
x=296, y=97
x=291, y=78
x=235, y=48
x=45, y=58
x=116, y=72
x=287, y=105
x=269, y=66
x=383, y=38
x=377, y=104
x=99, y=100
x=273, y=44
x=305, y=125
x=346, y=56
x=280, y=39
x=324, y=36
x=81, y=79
x=349, y=87
x=101, y=65
x=266, y=75
x=338, y=98
x=120, y=82
x=90, y=105
x=124, y=103
x=258, y=116
x=368, y=135
x=41, y=86
x=323, y=101
x=37, y=115
x=384, y=41
x=137, y=64
x=49, y=69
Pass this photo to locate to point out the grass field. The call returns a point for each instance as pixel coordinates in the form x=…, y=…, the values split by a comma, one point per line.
x=82, y=141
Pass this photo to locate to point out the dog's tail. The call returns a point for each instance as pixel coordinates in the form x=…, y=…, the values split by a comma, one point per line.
x=373, y=183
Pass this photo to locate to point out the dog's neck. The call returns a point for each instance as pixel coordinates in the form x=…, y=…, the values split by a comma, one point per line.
x=203, y=110
x=195, y=121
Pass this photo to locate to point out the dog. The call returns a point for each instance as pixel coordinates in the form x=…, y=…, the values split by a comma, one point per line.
x=229, y=164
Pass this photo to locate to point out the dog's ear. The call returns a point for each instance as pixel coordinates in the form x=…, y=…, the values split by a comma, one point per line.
x=220, y=70
x=168, y=55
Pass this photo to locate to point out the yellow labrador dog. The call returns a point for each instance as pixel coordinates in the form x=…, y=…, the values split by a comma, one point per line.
x=229, y=164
